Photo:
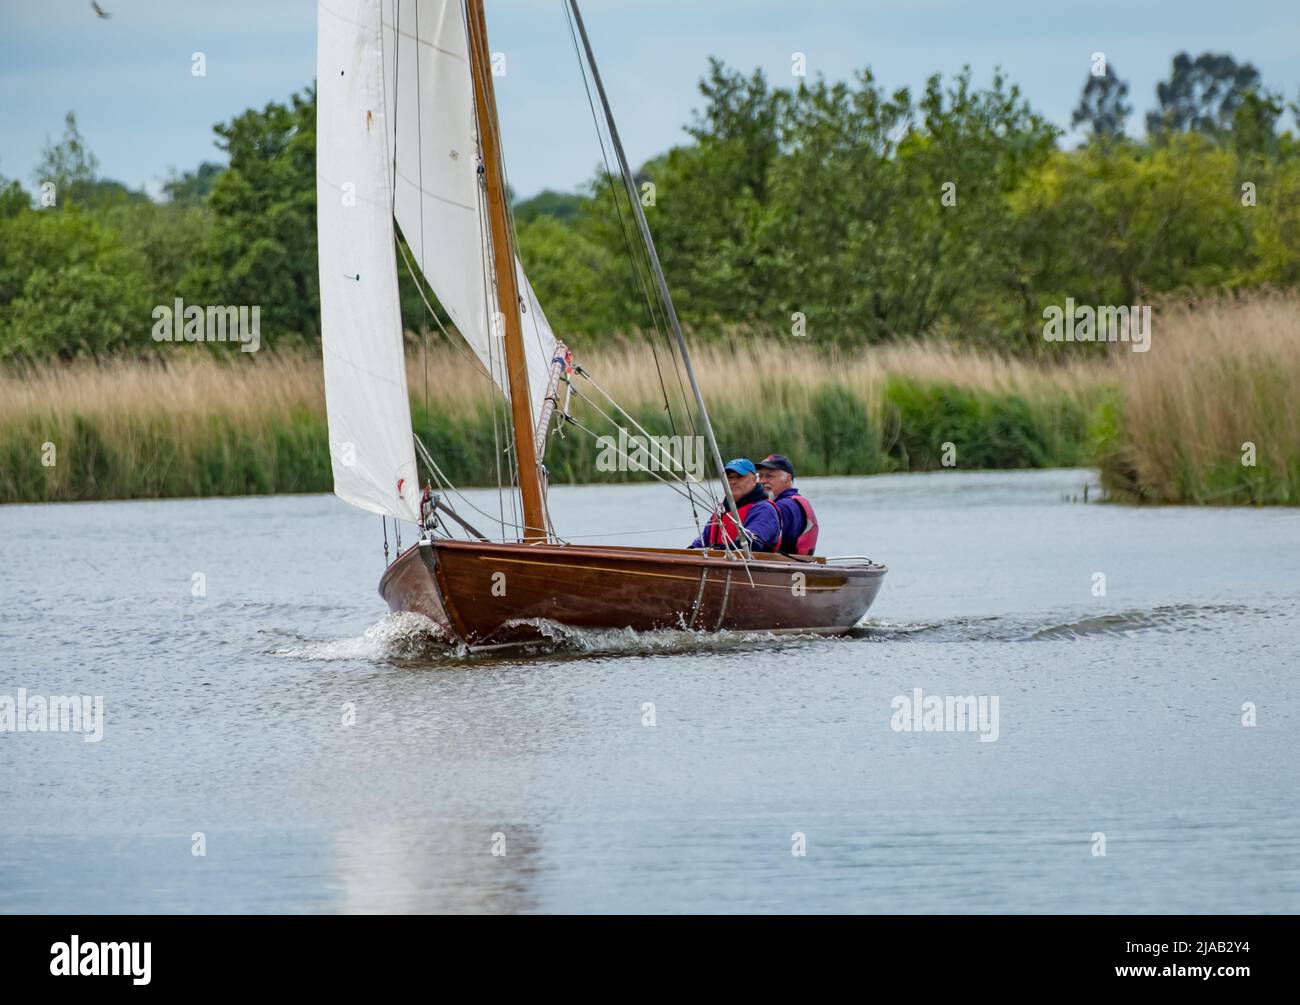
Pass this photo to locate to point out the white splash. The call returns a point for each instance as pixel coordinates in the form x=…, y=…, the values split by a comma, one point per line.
x=401, y=635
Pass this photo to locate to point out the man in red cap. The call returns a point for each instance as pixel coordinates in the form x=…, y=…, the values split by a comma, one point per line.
x=798, y=521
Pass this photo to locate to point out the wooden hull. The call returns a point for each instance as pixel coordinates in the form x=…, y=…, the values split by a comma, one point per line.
x=497, y=594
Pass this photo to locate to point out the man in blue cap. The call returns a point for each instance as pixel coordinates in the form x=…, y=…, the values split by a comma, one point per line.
x=758, y=515
x=798, y=521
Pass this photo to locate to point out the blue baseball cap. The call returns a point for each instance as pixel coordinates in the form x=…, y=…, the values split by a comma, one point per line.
x=742, y=466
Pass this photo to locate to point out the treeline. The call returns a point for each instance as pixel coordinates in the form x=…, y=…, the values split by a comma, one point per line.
x=861, y=214
x=953, y=213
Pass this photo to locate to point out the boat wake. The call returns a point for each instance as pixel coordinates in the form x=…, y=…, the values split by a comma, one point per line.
x=1171, y=618
x=561, y=638
x=408, y=637
x=1168, y=618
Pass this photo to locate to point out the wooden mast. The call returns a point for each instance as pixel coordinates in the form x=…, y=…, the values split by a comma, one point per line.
x=503, y=253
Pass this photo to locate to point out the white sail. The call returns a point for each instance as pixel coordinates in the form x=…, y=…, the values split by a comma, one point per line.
x=430, y=104
x=361, y=325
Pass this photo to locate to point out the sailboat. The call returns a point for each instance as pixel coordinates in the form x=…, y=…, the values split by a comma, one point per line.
x=408, y=137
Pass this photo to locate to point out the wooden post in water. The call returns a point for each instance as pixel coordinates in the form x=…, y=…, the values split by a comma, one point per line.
x=503, y=254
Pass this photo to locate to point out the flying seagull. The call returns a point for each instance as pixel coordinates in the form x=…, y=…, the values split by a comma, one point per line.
x=99, y=10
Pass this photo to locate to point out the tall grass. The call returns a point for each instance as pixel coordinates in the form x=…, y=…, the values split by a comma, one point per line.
x=1220, y=377
x=192, y=427
x=201, y=425
x=1169, y=425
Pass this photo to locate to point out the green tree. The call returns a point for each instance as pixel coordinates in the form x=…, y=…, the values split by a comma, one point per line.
x=952, y=268
x=829, y=200
x=833, y=191
x=1120, y=225
x=707, y=201
x=889, y=218
x=193, y=186
x=168, y=237
x=13, y=199
x=574, y=278
x=262, y=248
x=562, y=206
x=1254, y=124
x=1201, y=95
x=69, y=287
x=68, y=165
x=1274, y=257
x=1103, y=106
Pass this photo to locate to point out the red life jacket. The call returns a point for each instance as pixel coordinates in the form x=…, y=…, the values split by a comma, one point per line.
x=807, y=542
x=715, y=531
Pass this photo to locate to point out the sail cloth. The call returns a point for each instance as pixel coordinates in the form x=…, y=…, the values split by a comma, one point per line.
x=439, y=207
x=366, y=395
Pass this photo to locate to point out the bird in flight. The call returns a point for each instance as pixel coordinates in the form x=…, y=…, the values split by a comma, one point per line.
x=99, y=10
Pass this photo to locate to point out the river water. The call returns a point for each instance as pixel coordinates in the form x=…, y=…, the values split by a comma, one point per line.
x=276, y=743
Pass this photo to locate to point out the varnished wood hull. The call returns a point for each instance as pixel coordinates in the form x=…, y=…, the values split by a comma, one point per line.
x=496, y=594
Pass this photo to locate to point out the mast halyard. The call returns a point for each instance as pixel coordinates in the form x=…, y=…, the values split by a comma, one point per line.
x=503, y=256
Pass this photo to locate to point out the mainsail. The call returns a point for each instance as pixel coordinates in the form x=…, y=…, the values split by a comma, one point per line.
x=430, y=109
x=371, y=447
x=397, y=137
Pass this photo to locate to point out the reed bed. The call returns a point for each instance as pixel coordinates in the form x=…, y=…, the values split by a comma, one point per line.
x=1167, y=425
x=1211, y=414
x=189, y=426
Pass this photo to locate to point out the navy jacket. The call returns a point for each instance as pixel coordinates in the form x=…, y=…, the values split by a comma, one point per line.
x=793, y=520
x=761, y=522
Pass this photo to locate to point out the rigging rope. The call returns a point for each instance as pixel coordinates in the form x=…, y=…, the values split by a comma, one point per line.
x=654, y=305
x=629, y=533
x=661, y=282
x=446, y=483
x=654, y=309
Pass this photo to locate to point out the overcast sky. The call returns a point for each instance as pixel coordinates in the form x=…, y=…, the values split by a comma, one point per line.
x=142, y=111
